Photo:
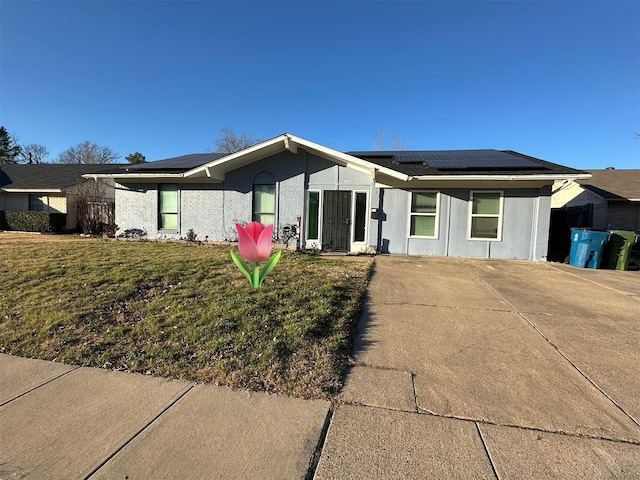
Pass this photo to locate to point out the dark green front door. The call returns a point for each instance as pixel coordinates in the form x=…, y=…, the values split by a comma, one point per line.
x=336, y=223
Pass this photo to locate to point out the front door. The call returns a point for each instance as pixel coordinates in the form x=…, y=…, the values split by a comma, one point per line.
x=336, y=221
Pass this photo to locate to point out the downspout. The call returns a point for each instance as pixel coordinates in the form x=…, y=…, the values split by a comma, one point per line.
x=534, y=228
x=448, y=235
x=380, y=217
x=302, y=234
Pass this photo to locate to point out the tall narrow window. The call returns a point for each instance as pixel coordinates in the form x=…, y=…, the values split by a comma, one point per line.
x=424, y=214
x=314, y=215
x=168, y=206
x=486, y=216
x=360, y=220
x=264, y=203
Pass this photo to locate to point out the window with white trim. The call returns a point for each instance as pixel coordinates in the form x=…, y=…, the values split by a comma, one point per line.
x=359, y=216
x=168, y=206
x=423, y=220
x=313, y=216
x=264, y=203
x=485, y=211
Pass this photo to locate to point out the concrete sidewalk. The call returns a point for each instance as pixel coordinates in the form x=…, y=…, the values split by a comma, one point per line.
x=63, y=422
x=490, y=369
x=463, y=369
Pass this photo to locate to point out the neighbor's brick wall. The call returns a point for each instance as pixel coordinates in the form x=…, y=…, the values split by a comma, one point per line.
x=600, y=216
x=624, y=215
x=57, y=203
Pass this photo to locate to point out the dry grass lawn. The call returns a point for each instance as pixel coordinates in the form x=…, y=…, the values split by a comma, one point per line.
x=180, y=310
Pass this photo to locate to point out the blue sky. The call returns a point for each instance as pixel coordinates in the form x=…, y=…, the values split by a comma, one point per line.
x=556, y=80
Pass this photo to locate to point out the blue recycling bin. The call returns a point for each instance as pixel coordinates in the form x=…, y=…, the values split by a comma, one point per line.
x=586, y=247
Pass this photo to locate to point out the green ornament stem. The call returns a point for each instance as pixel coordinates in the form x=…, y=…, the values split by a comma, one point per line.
x=255, y=281
x=253, y=274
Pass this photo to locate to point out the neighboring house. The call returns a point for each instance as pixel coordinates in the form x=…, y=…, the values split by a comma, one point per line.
x=50, y=188
x=610, y=198
x=468, y=203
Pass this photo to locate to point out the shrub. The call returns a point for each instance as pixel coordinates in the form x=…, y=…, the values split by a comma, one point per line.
x=191, y=235
x=29, y=221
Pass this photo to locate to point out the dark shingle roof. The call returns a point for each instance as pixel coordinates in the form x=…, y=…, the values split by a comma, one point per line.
x=176, y=164
x=47, y=176
x=462, y=162
x=413, y=163
x=614, y=184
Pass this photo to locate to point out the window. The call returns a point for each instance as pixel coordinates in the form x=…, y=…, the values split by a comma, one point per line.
x=264, y=203
x=360, y=220
x=424, y=214
x=168, y=206
x=314, y=215
x=486, y=216
x=38, y=203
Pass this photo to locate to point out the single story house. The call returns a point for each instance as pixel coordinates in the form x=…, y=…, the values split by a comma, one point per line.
x=610, y=198
x=462, y=203
x=48, y=187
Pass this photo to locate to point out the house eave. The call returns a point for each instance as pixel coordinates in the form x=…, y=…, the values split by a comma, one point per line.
x=32, y=190
x=540, y=177
x=132, y=176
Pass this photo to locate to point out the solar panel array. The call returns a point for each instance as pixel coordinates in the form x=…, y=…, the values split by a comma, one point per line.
x=457, y=159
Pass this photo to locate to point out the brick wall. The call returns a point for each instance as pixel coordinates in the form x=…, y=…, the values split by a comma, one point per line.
x=624, y=215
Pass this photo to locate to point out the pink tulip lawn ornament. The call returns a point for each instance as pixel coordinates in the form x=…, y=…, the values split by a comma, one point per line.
x=254, y=243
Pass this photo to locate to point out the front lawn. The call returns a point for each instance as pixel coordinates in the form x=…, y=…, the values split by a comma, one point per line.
x=182, y=311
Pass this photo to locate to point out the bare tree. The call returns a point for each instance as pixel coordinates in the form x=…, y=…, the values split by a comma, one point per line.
x=396, y=142
x=229, y=142
x=88, y=152
x=95, y=210
x=33, y=153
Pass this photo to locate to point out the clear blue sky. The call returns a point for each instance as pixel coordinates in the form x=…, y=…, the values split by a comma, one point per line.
x=555, y=80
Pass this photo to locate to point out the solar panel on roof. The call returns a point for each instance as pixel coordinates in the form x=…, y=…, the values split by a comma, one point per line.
x=465, y=159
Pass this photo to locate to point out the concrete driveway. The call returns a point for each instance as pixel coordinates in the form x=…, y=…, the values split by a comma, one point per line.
x=483, y=369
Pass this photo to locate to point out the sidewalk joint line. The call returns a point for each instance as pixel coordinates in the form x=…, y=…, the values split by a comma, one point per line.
x=484, y=421
x=556, y=348
x=415, y=394
x=622, y=292
x=135, y=435
x=38, y=386
x=486, y=450
x=317, y=453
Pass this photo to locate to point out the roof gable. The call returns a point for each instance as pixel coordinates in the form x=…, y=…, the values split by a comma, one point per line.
x=217, y=169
